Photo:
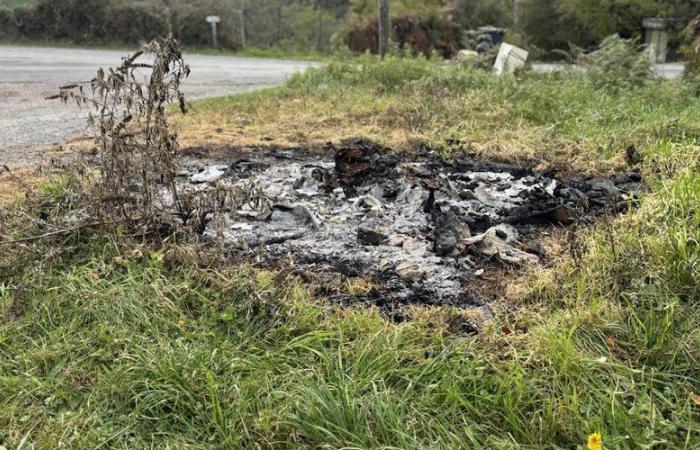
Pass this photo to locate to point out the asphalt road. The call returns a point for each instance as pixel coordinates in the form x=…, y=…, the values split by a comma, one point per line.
x=668, y=70
x=29, y=123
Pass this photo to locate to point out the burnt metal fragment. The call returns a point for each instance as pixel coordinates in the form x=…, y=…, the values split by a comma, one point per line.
x=369, y=236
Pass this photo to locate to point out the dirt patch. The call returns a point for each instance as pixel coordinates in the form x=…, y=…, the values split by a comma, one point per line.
x=420, y=230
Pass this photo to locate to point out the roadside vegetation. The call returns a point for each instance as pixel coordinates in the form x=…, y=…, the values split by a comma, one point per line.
x=106, y=341
x=326, y=26
x=579, y=122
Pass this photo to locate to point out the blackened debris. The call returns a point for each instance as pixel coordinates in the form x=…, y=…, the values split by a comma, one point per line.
x=419, y=228
x=359, y=161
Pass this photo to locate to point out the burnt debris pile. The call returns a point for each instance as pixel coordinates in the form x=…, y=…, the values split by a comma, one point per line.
x=417, y=226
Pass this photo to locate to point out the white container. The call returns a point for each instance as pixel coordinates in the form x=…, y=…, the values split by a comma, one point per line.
x=509, y=59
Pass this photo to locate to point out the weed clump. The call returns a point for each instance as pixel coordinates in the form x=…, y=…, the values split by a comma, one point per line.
x=618, y=63
x=132, y=177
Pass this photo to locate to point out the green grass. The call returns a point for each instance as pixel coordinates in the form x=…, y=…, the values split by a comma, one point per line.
x=14, y=3
x=272, y=52
x=114, y=347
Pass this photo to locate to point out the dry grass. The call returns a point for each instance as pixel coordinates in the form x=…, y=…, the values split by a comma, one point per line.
x=538, y=120
x=286, y=120
x=14, y=184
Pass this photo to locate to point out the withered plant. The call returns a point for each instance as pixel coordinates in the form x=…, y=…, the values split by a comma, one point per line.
x=132, y=177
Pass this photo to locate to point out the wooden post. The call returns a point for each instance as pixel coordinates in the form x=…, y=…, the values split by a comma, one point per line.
x=384, y=31
x=319, y=27
x=241, y=18
x=517, y=4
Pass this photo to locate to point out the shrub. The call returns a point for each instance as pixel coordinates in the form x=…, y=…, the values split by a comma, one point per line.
x=134, y=23
x=76, y=20
x=618, y=63
x=88, y=21
x=189, y=25
x=191, y=28
x=554, y=24
x=28, y=23
x=422, y=36
x=8, y=26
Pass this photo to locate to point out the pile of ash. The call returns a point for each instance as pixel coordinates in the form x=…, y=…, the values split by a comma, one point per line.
x=416, y=225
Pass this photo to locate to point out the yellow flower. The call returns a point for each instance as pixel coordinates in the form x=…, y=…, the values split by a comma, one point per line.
x=595, y=442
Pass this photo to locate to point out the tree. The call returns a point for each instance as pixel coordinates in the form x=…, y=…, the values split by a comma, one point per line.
x=470, y=14
x=554, y=24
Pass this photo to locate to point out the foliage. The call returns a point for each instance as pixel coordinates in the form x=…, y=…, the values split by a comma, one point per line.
x=419, y=8
x=136, y=22
x=692, y=50
x=322, y=25
x=471, y=14
x=8, y=27
x=91, y=21
x=424, y=27
x=559, y=23
x=413, y=36
x=618, y=63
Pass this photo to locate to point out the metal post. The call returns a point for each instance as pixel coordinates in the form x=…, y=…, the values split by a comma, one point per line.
x=213, y=20
x=384, y=31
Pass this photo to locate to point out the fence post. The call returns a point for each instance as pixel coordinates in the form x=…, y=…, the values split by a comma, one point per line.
x=384, y=31
x=241, y=18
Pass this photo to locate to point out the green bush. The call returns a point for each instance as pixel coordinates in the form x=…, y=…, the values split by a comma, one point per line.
x=76, y=20
x=618, y=63
x=8, y=27
x=692, y=50
x=191, y=28
x=555, y=24
x=90, y=21
x=136, y=23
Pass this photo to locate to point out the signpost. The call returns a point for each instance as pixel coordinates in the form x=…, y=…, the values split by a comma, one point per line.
x=213, y=20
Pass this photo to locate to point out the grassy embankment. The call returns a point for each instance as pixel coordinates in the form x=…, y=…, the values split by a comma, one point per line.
x=115, y=347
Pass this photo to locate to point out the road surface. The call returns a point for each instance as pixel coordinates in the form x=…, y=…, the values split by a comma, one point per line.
x=668, y=70
x=28, y=123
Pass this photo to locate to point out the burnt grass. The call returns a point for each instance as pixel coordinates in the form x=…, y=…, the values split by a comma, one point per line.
x=419, y=229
